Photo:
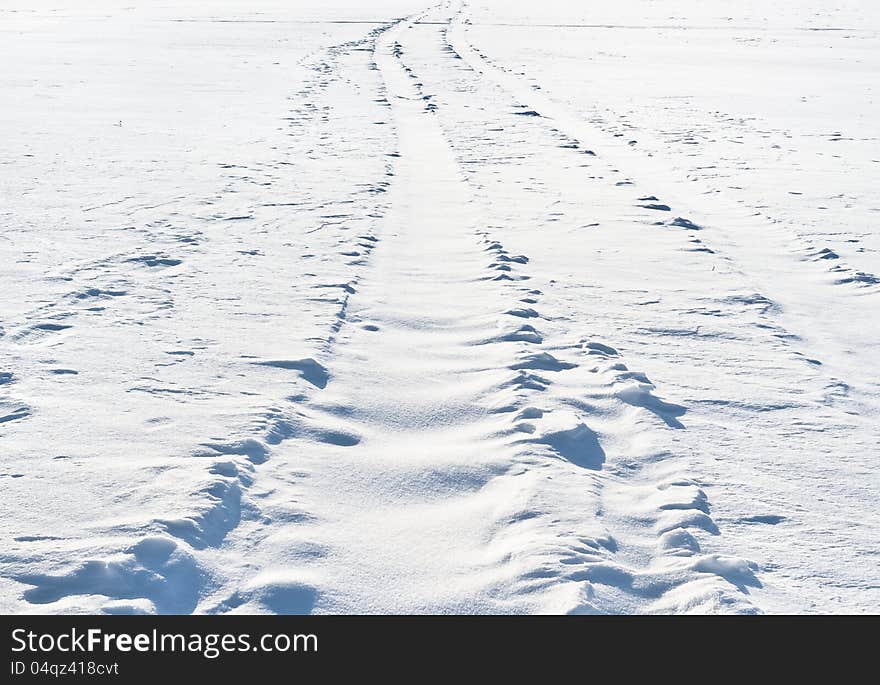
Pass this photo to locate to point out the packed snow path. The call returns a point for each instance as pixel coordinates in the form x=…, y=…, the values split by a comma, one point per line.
x=427, y=388
x=443, y=461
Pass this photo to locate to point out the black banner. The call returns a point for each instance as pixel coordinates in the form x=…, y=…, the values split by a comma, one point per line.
x=145, y=649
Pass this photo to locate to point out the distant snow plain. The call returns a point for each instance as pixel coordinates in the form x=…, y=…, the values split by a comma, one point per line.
x=483, y=307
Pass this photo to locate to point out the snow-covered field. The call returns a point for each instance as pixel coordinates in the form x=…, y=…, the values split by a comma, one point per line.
x=337, y=306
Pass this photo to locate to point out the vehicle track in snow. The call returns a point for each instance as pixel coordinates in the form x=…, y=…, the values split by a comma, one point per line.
x=449, y=460
x=453, y=446
x=465, y=422
x=697, y=315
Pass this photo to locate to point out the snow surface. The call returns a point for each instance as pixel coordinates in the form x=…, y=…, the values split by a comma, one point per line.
x=473, y=307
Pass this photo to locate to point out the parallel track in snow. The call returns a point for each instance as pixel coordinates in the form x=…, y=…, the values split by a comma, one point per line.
x=429, y=390
x=446, y=462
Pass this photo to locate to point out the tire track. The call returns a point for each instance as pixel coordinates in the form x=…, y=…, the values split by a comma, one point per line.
x=480, y=483
x=164, y=563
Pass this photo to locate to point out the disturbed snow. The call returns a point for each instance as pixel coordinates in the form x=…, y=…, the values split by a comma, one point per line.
x=483, y=307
